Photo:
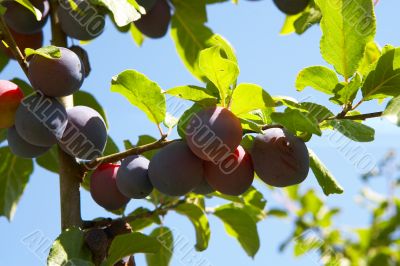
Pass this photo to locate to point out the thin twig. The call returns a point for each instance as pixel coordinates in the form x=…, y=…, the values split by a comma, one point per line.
x=134, y=151
x=8, y=38
x=358, y=117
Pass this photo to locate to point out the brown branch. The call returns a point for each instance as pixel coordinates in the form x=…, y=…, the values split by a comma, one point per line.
x=134, y=151
x=8, y=38
x=108, y=221
x=71, y=173
x=358, y=117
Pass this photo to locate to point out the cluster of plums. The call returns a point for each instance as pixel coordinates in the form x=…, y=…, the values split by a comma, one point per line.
x=39, y=121
x=209, y=159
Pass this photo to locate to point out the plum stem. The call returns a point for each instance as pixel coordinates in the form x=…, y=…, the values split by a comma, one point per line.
x=71, y=173
x=8, y=38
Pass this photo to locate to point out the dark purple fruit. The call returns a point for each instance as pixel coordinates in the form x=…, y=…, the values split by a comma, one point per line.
x=280, y=159
x=175, y=170
x=233, y=176
x=213, y=133
x=155, y=23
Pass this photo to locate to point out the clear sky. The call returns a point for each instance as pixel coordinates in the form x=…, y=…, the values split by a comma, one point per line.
x=265, y=58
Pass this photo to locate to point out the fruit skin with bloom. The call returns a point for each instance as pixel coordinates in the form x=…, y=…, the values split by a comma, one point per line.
x=133, y=179
x=233, y=176
x=291, y=7
x=22, y=20
x=103, y=187
x=280, y=158
x=155, y=23
x=213, y=133
x=85, y=136
x=56, y=77
x=10, y=98
x=175, y=170
x=21, y=148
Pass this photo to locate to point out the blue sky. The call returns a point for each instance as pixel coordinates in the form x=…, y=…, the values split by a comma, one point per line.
x=265, y=58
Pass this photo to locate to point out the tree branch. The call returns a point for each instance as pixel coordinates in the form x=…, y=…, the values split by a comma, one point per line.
x=71, y=173
x=134, y=151
x=358, y=117
x=8, y=38
x=108, y=221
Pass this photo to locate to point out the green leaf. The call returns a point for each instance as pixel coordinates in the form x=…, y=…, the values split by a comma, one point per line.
x=128, y=244
x=25, y=87
x=185, y=118
x=14, y=175
x=325, y=179
x=249, y=97
x=3, y=60
x=124, y=12
x=347, y=27
x=170, y=121
x=384, y=78
x=241, y=226
x=3, y=135
x=189, y=33
x=254, y=198
x=347, y=93
x=227, y=50
x=141, y=223
x=86, y=99
x=163, y=256
x=31, y=8
x=354, y=130
x=317, y=111
x=111, y=147
x=194, y=93
x=50, y=52
x=317, y=77
x=371, y=55
x=68, y=246
x=220, y=71
x=199, y=221
x=146, y=139
x=49, y=160
x=307, y=19
x=392, y=111
x=141, y=92
x=295, y=120
x=137, y=36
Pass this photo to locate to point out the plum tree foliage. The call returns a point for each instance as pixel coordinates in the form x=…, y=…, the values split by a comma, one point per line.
x=233, y=132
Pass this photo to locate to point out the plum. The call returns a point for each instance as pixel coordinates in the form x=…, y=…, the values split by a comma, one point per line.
x=233, y=176
x=56, y=77
x=155, y=23
x=21, y=148
x=10, y=98
x=23, y=41
x=41, y=120
x=22, y=20
x=132, y=178
x=84, y=23
x=291, y=7
x=103, y=188
x=280, y=159
x=84, y=57
x=203, y=188
x=86, y=134
x=175, y=170
x=213, y=133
